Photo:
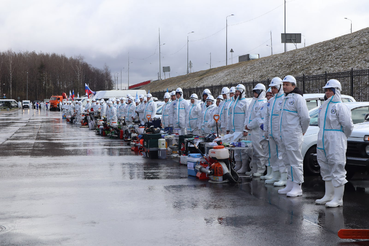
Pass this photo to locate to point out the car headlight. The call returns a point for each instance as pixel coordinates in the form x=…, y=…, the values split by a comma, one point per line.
x=366, y=138
x=367, y=149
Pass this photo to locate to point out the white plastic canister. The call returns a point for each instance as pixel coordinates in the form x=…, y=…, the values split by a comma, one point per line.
x=161, y=143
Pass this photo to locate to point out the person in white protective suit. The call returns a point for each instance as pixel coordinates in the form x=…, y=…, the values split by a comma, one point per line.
x=179, y=111
x=335, y=126
x=265, y=142
x=208, y=122
x=88, y=105
x=294, y=122
x=193, y=116
x=111, y=114
x=130, y=111
x=223, y=110
x=121, y=109
x=97, y=108
x=64, y=107
x=70, y=109
x=78, y=109
x=150, y=108
x=165, y=111
x=204, y=95
x=137, y=117
x=279, y=170
x=140, y=109
x=254, y=125
x=117, y=104
x=219, y=100
x=173, y=99
x=103, y=108
x=232, y=92
x=236, y=118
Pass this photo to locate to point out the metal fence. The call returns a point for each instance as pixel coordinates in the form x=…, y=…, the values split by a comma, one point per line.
x=354, y=83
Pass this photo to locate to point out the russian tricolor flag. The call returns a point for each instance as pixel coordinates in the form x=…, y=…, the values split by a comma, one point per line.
x=88, y=90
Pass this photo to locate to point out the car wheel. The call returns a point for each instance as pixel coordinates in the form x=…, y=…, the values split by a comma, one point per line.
x=311, y=165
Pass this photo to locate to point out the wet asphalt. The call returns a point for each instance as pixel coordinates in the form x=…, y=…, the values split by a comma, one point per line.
x=64, y=185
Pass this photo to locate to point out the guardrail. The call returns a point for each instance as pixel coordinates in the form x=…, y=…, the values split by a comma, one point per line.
x=354, y=83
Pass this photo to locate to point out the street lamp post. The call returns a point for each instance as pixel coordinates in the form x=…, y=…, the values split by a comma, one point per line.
x=227, y=38
x=188, y=52
x=351, y=23
x=27, y=85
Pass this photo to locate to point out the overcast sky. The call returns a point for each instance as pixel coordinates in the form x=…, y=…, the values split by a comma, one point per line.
x=106, y=31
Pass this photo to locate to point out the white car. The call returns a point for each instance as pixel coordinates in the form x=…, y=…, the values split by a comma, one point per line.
x=315, y=99
x=359, y=110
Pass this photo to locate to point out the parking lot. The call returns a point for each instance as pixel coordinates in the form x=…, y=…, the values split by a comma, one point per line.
x=65, y=185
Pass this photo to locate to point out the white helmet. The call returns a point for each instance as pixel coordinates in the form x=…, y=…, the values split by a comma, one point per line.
x=173, y=93
x=290, y=78
x=179, y=90
x=137, y=100
x=145, y=99
x=110, y=102
x=225, y=90
x=241, y=88
x=210, y=98
x=275, y=82
x=220, y=97
x=141, y=96
x=166, y=95
x=232, y=90
x=269, y=90
x=102, y=100
x=122, y=99
x=333, y=83
x=194, y=96
x=260, y=87
x=149, y=95
x=207, y=92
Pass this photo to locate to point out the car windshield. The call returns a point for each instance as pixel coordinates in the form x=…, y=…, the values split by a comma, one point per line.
x=25, y=102
x=53, y=98
x=314, y=113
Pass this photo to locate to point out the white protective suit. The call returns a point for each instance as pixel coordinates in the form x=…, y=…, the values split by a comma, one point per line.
x=193, y=118
x=140, y=109
x=294, y=122
x=237, y=114
x=179, y=114
x=121, y=111
x=208, y=123
x=130, y=112
x=223, y=114
x=335, y=125
x=150, y=109
x=272, y=124
x=103, y=109
x=165, y=117
x=111, y=114
x=78, y=109
x=253, y=121
x=87, y=106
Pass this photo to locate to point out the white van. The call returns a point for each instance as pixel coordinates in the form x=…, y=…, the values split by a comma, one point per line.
x=8, y=103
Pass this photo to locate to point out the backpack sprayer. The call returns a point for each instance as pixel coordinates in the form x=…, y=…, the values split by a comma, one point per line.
x=219, y=168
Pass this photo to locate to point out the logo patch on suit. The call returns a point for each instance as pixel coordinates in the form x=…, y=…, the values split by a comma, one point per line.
x=333, y=110
x=291, y=102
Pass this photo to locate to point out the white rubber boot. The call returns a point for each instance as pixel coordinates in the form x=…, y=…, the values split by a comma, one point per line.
x=286, y=189
x=269, y=174
x=337, y=197
x=243, y=168
x=238, y=165
x=282, y=181
x=275, y=178
x=328, y=196
x=296, y=190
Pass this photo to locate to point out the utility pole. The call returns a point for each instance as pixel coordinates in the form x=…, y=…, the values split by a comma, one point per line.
x=128, y=72
x=285, y=44
x=271, y=43
x=159, y=57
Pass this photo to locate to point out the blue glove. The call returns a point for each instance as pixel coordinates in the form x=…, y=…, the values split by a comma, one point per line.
x=262, y=127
